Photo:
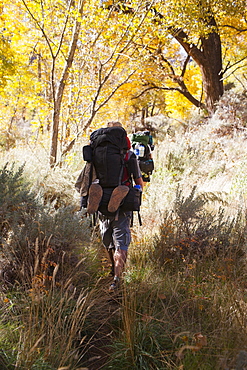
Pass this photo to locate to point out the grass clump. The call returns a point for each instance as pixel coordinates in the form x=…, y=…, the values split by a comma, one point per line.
x=47, y=331
x=185, y=310
x=27, y=222
x=47, y=267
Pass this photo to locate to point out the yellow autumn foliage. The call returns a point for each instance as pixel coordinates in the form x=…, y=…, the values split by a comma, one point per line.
x=124, y=62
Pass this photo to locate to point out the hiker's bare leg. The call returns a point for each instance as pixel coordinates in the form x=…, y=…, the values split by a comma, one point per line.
x=110, y=253
x=111, y=257
x=120, y=257
x=116, y=231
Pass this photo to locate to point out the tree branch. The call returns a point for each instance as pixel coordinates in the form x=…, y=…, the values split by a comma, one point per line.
x=185, y=93
x=228, y=66
x=40, y=27
x=240, y=30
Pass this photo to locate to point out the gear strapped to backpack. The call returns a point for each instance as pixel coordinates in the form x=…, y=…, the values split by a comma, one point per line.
x=106, y=153
x=142, y=143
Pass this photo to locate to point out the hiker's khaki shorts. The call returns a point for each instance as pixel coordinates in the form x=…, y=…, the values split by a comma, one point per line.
x=116, y=233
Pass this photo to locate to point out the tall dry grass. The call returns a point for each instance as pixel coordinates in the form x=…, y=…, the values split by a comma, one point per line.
x=48, y=274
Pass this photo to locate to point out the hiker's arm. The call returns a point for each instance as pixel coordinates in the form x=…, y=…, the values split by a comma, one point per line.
x=139, y=181
x=134, y=169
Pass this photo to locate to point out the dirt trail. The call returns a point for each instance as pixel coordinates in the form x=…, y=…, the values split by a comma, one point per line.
x=106, y=313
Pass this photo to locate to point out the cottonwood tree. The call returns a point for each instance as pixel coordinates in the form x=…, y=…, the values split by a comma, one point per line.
x=67, y=27
x=200, y=28
x=202, y=36
x=89, y=58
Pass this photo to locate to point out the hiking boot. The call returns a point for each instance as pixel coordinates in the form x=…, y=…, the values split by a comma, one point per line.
x=118, y=194
x=94, y=197
x=114, y=285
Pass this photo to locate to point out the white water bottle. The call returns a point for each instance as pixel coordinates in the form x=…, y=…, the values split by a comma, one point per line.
x=137, y=150
x=141, y=150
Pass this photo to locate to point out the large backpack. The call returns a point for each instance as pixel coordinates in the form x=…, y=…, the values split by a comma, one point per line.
x=109, y=145
x=106, y=153
x=140, y=137
x=143, y=137
x=143, y=140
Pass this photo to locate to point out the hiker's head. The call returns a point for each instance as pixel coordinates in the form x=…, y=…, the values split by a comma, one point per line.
x=119, y=124
x=146, y=132
x=114, y=124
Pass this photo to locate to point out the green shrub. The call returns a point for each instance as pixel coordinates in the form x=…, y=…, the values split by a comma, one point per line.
x=47, y=265
x=192, y=231
x=60, y=234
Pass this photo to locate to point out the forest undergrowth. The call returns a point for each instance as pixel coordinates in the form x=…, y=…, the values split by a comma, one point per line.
x=183, y=301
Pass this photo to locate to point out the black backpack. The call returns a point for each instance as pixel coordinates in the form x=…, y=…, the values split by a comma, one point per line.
x=106, y=151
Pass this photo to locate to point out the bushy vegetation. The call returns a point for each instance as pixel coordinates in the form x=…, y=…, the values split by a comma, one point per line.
x=184, y=303
x=46, y=263
x=183, y=299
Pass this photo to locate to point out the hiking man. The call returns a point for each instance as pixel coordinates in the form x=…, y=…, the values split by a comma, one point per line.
x=142, y=144
x=115, y=221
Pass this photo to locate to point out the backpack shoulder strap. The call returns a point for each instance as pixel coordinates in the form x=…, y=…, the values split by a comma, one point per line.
x=132, y=218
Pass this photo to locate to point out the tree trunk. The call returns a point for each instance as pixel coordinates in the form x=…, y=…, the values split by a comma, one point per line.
x=211, y=70
x=54, y=138
x=58, y=97
x=209, y=60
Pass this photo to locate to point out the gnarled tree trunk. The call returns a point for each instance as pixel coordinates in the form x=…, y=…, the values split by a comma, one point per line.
x=209, y=59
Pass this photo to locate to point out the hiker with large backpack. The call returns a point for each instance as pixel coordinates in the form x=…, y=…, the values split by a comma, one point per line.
x=113, y=170
x=142, y=144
